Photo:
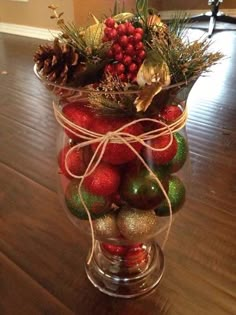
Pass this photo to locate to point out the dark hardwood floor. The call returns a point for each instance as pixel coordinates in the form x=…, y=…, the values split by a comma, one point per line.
x=42, y=254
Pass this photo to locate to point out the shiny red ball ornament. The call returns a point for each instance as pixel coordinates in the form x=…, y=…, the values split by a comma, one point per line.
x=129, y=50
x=80, y=115
x=139, y=30
x=104, y=180
x=116, y=48
x=121, y=29
x=119, y=68
x=170, y=113
x=117, y=153
x=133, y=67
x=117, y=250
x=137, y=37
x=135, y=257
x=127, y=60
x=77, y=161
x=161, y=157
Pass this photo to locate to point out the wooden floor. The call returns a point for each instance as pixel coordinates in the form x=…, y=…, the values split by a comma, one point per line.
x=42, y=254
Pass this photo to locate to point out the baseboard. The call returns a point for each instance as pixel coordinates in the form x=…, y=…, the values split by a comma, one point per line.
x=43, y=33
x=166, y=15
x=28, y=31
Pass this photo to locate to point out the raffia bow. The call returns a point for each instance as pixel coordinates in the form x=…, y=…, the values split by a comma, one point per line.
x=120, y=137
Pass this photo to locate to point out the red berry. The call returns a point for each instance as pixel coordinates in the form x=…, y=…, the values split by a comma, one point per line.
x=130, y=29
x=139, y=61
x=113, y=34
x=116, y=48
x=171, y=112
x=127, y=60
x=121, y=29
x=137, y=37
x=110, y=53
x=139, y=46
x=104, y=180
x=122, y=77
x=120, y=68
x=131, y=77
x=139, y=30
x=133, y=67
x=109, y=68
x=107, y=31
x=141, y=54
x=123, y=40
x=117, y=250
x=130, y=50
x=110, y=22
x=119, y=56
x=162, y=157
x=131, y=40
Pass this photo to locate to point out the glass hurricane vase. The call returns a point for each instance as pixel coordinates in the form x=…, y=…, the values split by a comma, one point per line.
x=122, y=177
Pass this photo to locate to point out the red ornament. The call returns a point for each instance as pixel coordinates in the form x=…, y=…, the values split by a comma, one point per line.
x=130, y=29
x=77, y=161
x=116, y=250
x=141, y=54
x=113, y=34
x=170, y=113
x=104, y=180
x=161, y=157
x=80, y=115
x=116, y=153
x=135, y=256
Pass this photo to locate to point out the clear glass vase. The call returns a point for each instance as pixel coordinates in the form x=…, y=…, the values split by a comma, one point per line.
x=122, y=177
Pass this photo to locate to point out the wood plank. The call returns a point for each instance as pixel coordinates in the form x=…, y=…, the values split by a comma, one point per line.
x=26, y=296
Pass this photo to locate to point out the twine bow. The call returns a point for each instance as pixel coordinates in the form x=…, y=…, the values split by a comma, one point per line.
x=120, y=137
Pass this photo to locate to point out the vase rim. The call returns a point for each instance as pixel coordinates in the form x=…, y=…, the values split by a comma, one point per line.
x=87, y=90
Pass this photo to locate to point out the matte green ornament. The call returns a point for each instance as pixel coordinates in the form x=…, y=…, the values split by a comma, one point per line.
x=176, y=194
x=180, y=157
x=140, y=189
x=97, y=205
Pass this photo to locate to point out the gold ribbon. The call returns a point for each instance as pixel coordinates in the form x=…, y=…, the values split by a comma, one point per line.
x=120, y=137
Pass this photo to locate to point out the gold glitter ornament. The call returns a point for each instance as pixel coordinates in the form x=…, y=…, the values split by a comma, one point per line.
x=106, y=227
x=136, y=224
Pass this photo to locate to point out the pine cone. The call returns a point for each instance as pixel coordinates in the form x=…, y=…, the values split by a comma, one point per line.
x=58, y=63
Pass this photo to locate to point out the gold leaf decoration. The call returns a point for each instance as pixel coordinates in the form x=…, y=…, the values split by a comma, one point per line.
x=145, y=98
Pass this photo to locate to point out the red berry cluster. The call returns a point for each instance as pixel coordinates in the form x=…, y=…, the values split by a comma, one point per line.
x=127, y=50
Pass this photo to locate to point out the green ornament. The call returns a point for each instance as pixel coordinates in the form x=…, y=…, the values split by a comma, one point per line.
x=180, y=157
x=140, y=189
x=97, y=205
x=176, y=194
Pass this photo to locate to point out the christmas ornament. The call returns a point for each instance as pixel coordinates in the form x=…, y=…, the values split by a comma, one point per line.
x=104, y=180
x=141, y=190
x=59, y=63
x=161, y=157
x=181, y=155
x=116, y=153
x=80, y=115
x=77, y=160
x=117, y=250
x=105, y=227
x=170, y=113
x=176, y=194
x=135, y=257
x=97, y=205
x=136, y=224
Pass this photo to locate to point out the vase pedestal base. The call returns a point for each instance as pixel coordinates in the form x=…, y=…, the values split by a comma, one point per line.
x=126, y=277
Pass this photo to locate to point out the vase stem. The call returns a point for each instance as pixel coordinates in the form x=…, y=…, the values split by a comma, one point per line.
x=130, y=272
